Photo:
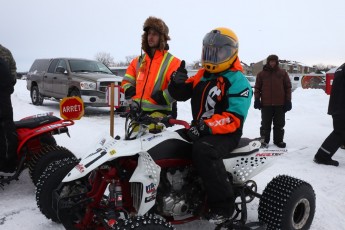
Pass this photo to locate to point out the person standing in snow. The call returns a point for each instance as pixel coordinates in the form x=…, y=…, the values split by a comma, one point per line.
x=273, y=97
x=8, y=135
x=220, y=99
x=147, y=76
x=336, y=108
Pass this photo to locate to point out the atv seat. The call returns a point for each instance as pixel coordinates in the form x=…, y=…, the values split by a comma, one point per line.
x=35, y=122
x=245, y=147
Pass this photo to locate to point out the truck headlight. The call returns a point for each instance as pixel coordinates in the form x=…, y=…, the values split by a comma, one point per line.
x=87, y=85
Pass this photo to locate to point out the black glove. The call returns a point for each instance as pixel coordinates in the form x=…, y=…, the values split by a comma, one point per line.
x=159, y=98
x=179, y=76
x=257, y=104
x=287, y=106
x=134, y=109
x=198, y=130
x=129, y=92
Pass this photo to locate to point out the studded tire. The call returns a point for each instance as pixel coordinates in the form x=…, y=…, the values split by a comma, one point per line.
x=47, y=155
x=48, y=182
x=149, y=222
x=287, y=203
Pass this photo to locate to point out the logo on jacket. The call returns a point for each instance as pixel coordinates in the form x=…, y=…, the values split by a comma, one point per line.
x=245, y=93
x=211, y=100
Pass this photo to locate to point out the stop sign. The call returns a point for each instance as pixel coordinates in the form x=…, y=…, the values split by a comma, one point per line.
x=71, y=108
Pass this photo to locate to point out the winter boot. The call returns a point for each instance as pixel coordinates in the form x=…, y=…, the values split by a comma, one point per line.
x=281, y=144
x=264, y=144
x=322, y=158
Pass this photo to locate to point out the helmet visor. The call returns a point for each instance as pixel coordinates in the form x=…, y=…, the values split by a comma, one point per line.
x=218, y=48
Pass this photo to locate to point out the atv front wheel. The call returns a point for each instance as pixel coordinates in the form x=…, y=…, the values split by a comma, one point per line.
x=149, y=222
x=47, y=155
x=287, y=203
x=48, y=182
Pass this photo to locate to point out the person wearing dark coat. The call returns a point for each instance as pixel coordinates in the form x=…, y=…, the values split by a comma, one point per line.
x=8, y=135
x=273, y=98
x=336, y=108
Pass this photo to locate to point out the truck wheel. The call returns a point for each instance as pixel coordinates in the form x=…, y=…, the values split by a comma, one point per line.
x=47, y=155
x=36, y=96
x=75, y=93
x=287, y=203
x=48, y=182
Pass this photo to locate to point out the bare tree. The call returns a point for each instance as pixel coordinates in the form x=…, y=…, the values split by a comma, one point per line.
x=105, y=58
x=130, y=58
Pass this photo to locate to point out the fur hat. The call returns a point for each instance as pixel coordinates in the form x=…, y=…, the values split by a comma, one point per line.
x=272, y=57
x=158, y=25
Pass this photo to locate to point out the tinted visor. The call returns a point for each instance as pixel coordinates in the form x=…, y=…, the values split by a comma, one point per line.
x=218, y=48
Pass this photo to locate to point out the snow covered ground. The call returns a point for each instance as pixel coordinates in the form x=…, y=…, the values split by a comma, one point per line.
x=307, y=125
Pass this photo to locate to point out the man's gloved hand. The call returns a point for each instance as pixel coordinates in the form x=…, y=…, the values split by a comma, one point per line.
x=257, y=104
x=159, y=98
x=198, y=130
x=134, y=109
x=179, y=76
x=129, y=92
x=287, y=106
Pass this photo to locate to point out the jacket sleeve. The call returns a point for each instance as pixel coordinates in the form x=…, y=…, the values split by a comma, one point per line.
x=131, y=74
x=181, y=92
x=258, y=87
x=287, y=87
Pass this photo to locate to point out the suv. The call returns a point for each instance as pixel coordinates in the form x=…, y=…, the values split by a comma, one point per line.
x=65, y=77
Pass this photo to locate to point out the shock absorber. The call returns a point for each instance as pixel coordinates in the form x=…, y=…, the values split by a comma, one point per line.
x=118, y=194
x=111, y=216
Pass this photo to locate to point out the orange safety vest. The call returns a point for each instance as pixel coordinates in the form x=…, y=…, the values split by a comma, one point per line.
x=149, y=76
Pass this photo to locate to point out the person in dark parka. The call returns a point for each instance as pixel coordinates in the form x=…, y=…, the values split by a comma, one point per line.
x=273, y=98
x=336, y=108
x=8, y=135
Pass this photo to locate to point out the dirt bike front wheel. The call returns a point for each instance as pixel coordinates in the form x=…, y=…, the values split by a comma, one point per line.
x=287, y=203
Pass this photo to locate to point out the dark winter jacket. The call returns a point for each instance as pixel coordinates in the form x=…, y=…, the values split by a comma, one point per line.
x=272, y=86
x=6, y=55
x=222, y=99
x=336, y=104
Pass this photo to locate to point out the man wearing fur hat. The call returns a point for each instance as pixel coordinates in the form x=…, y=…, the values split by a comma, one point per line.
x=148, y=75
x=273, y=98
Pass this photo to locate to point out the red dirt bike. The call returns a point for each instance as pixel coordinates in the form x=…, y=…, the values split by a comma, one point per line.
x=37, y=146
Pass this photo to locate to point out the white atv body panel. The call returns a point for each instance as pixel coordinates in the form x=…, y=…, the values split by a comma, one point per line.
x=147, y=173
x=109, y=149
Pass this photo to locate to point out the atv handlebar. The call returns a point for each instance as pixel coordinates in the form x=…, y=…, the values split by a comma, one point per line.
x=173, y=121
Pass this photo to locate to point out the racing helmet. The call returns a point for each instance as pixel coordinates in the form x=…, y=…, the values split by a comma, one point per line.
x=219, y=50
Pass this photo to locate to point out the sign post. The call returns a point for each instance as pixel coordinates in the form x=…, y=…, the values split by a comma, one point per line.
x=71, y=108
x=112, y=109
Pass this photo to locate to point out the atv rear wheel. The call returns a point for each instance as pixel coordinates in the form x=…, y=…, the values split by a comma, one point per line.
x=149, y=222
x=287, y=203
x=49, y=181
x=47, y=155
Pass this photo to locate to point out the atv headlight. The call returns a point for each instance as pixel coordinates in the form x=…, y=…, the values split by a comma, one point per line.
x=87, y=85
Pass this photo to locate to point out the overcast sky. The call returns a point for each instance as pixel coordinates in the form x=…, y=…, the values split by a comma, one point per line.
x=307, y=31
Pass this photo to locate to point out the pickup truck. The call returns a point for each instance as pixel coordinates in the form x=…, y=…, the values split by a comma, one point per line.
x=65, y=77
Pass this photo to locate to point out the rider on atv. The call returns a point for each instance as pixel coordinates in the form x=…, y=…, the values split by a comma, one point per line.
x=220, y=98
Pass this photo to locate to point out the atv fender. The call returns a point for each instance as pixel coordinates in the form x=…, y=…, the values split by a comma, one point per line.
x=147, y=173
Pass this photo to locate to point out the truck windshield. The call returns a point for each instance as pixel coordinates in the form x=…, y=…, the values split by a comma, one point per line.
x=88, y=66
